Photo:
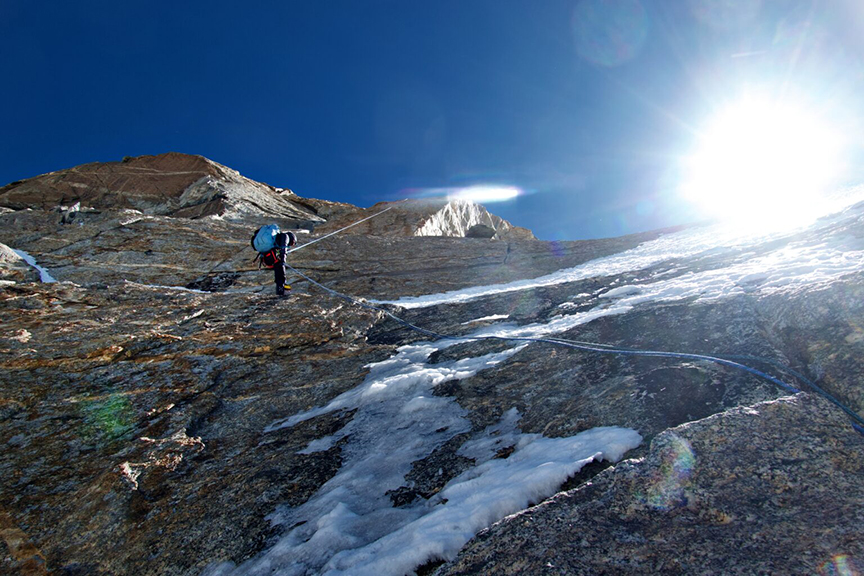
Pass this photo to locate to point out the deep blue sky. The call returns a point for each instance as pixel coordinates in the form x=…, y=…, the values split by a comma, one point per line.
x=368, y=100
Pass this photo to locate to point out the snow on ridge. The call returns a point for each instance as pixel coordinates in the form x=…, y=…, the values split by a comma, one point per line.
x=678, y=245
x=486, y=319
x=44, y=275
x=802, y=262
x=455, y=219
x=809, y=262
x=173, y=288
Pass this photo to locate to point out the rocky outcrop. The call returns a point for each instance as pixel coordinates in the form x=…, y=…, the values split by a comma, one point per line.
x=480, y=231
x=177, y=185
x=13, y=268
x=162, y=412
x=116, y=245
x=720, y=495
x=186, y=186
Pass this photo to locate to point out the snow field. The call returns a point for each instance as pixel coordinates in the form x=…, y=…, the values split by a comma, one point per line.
x=351, y=527
x=821, y=258
x=795, y=266
x=678, y=245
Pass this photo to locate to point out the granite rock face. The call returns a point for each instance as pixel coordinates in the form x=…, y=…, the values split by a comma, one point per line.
x=147, y=397
x=722, y=495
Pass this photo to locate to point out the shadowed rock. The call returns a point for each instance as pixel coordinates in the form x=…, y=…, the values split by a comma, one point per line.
x=480, y=231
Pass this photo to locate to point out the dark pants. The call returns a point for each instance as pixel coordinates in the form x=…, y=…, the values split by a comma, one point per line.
x=279, y=268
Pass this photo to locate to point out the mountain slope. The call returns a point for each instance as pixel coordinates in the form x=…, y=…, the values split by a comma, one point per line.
x=186, y=186
x=164, y=413
x=178, y=185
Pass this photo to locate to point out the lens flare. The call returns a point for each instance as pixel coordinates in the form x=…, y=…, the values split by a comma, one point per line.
x=667, y=488
x=841, y=565
x=480, y=193
x=483, y=194
x=110, y=418
x=726, y=14
x=556, y=248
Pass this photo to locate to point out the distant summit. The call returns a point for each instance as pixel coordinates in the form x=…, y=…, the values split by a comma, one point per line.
x=188, y=186
x=430, y=217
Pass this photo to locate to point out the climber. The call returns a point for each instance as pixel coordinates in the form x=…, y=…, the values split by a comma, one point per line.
x=272, y=246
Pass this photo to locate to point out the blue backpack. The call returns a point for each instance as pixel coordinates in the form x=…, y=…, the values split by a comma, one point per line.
x=264, y=239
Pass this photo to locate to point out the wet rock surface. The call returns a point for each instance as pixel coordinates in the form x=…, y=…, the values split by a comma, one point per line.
x=138, y=394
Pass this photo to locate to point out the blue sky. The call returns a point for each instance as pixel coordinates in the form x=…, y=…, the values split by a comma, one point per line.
x=586, y=105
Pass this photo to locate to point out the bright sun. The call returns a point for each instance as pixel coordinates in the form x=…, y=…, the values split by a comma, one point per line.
x=762, y=162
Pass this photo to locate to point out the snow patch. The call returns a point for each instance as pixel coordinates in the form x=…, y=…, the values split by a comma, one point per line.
x=173, y=288
x=44, y=275
x=487, y=319
x=482, y=496
x=621, y=291
x=350, y=525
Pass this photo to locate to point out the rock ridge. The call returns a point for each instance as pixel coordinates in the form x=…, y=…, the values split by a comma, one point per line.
x=696, y=504
x=188, y=186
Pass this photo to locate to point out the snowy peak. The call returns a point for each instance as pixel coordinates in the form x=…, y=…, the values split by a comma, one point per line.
x=463, y=218
x=430, y=217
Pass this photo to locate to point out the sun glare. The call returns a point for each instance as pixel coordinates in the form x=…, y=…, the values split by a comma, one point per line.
x=481, y=194
x=765, y=163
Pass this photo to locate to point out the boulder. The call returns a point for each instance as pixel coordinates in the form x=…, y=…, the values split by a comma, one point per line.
x=480, y=231
x=742, y=492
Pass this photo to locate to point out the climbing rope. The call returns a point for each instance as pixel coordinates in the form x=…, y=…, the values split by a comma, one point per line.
x=340, y=230
x=728, y=361
x=241, y=250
